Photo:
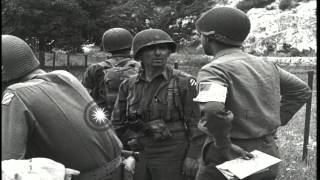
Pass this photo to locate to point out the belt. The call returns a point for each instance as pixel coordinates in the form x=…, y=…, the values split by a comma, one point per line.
x=102, y=172
x=175, y=127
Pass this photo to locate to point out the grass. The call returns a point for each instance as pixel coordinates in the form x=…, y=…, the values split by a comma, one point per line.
x=290, y=137
x=290, y=142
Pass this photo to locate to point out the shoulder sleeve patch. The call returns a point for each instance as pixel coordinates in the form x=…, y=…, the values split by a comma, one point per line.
x=192, y=82
x=7, y=98
x=211, y=91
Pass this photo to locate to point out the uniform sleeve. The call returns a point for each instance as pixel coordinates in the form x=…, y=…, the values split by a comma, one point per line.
x=118, y=117
x=15, y=121
x=91, y=76
x=214, y=117
x=191, y=116
x=294, y=94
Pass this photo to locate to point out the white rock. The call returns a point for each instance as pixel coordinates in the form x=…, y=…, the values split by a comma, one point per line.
x=276, y=27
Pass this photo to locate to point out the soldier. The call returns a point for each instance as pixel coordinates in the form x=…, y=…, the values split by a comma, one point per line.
x=103, y=79
x=155, y=115
x=243, y=99
x=51, y=115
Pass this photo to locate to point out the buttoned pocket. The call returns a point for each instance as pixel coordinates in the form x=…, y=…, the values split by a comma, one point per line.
x=133, y=104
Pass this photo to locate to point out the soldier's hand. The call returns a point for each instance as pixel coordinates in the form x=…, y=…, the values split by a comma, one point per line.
x=235, y=151
x=190, y=167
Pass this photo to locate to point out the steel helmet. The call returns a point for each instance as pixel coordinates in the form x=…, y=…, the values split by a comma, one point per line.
x=150, y=37
x=225, y=24
x=116, y=39
x=17, y=57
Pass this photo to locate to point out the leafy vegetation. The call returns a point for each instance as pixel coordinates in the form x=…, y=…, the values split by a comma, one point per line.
x=66, y=24
x=44, y=23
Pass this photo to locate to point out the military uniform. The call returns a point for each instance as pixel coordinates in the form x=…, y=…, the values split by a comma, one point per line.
x=159, y=99
x=261, y=96
x=94, y=78
x=243, y=98
x=45, y=117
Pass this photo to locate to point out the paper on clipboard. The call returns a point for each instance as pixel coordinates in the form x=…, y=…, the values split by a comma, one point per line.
x=241, y=168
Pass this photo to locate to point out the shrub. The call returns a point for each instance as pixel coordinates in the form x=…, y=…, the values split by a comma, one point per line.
x=285, y=4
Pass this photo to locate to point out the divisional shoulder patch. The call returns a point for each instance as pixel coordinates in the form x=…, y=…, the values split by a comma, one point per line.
x=7, y=97
x=193, y=82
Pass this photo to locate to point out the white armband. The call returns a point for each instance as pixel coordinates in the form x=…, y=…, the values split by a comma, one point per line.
x=211, y=91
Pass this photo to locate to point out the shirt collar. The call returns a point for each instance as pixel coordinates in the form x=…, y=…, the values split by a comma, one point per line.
x=227, y=51
x=120, y=55
x=165, y=74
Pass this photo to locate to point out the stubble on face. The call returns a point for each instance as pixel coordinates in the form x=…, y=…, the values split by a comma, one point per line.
x=206, y=46
x=155, y=55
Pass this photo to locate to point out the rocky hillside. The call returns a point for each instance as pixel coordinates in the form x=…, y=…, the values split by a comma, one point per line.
x=283, y=30
x=289, y=32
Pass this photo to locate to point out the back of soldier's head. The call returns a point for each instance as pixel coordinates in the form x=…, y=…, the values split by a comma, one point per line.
x=18, y=60
x=116, y=40
x=226, y=25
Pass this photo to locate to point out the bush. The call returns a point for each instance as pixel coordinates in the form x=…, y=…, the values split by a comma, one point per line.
x=285, y=4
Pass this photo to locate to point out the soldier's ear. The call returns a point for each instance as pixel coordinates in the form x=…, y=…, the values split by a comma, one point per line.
x=138, y=57
x=131, y=53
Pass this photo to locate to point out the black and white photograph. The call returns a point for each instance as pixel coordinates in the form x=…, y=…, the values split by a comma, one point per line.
x=159, y=90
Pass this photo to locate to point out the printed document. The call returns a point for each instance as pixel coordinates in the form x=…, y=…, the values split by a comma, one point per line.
x=240, y=168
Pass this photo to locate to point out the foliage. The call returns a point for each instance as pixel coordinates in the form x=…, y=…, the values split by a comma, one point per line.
x=67, y=24
x=168, y=15
x=95, y=26
x=248, y=4
x=48, y=23
x=285, y=4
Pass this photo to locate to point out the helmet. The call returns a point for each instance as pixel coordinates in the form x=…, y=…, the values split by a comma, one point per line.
x=150, y=37
x=18, y=59
x=225, y=24
x=116, y=39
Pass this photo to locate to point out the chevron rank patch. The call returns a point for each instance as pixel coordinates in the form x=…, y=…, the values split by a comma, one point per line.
x=7, y=97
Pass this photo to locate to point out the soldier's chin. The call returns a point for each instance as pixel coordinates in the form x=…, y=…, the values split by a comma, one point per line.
x=208, y=52
x=157, y=62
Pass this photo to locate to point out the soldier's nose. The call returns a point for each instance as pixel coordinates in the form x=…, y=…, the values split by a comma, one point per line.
x=157, y=51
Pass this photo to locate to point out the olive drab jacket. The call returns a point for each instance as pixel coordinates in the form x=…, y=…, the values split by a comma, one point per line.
x=261, y=95
x=45, y=117
x=169, y=98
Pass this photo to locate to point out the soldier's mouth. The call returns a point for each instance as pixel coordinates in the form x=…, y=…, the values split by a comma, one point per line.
x=157, y=60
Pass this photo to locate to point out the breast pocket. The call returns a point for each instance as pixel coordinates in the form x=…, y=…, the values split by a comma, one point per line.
x=157, y=109
x=132, y=104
